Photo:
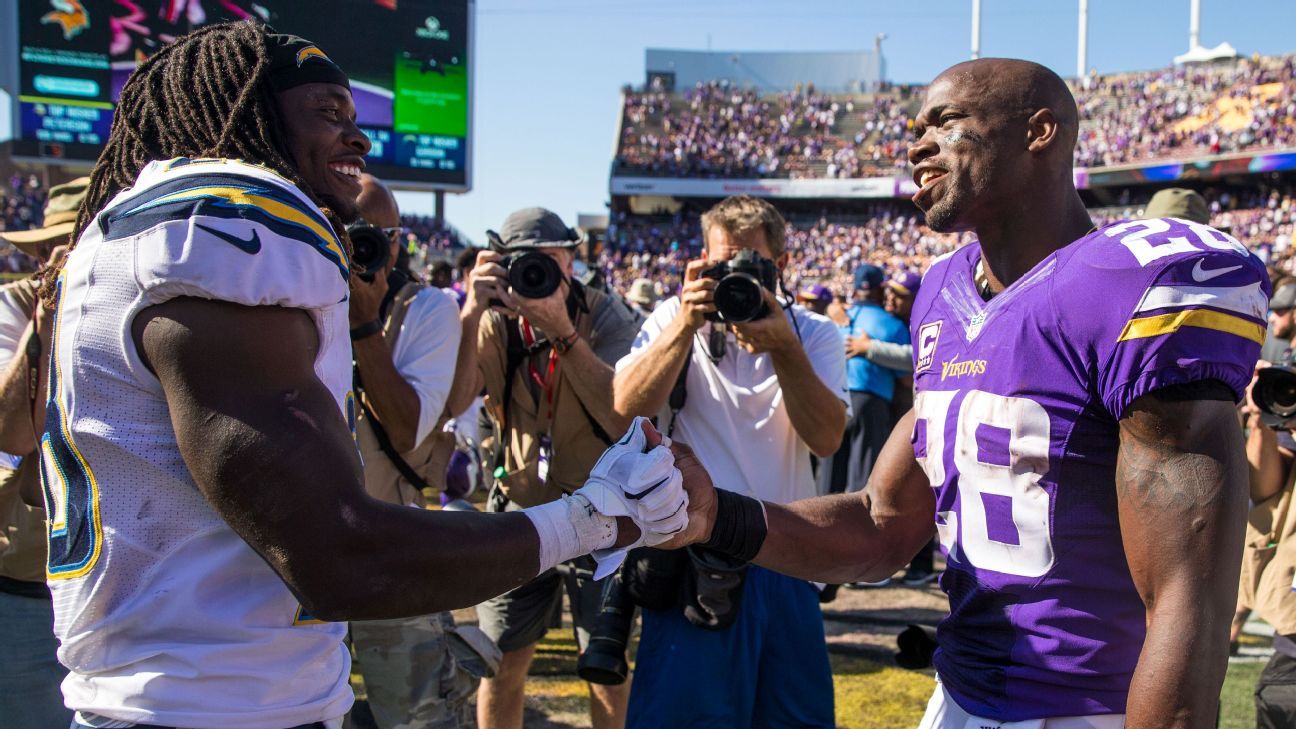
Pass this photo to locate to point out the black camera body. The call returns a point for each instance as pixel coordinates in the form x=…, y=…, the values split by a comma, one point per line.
x=1275, y=394
x=370, y=249
x=532, y=274
x=738, y=295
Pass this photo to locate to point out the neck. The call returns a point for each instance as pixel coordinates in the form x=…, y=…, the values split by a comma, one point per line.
x=1015, y=243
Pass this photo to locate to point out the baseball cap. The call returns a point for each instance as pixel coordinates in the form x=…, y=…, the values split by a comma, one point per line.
x=60, y=218
x=1284, y=297
x=642, y=293
x=533, y=228
x=818, y=292
x=1176, y=202
x=868, y=277
x=905, y=283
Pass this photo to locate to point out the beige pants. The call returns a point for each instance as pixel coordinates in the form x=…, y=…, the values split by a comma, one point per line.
x=943, y=713
x=412, y=679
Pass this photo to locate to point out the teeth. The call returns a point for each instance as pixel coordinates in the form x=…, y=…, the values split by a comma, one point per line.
x=348, y=170
x=928, y=176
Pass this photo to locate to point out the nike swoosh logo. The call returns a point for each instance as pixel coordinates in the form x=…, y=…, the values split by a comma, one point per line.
x=247, y=245
x=1200, y=276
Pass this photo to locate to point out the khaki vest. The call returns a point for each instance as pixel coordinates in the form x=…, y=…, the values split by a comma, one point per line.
x=428, y=459
x=1269, y=560
x=22, y=528
x=575, y=446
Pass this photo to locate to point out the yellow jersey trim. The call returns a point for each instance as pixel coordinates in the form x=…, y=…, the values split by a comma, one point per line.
x=1155, y=326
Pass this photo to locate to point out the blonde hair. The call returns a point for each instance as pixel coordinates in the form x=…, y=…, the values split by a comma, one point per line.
x=742, y=214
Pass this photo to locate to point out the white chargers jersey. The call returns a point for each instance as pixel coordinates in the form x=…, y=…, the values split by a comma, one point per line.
x=165, y=615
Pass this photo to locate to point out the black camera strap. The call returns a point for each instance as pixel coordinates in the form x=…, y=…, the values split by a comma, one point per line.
x=679, y=393
x=385, y=445
x=516, y=351
x=406, y=290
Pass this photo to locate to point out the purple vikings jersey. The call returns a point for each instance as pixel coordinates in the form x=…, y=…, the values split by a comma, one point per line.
x=1017, y=403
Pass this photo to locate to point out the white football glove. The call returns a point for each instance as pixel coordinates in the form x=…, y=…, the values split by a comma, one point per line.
x=644, y=486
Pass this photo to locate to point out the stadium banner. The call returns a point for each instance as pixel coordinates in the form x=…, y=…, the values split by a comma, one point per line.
x=1209, y=168
x=873, y=187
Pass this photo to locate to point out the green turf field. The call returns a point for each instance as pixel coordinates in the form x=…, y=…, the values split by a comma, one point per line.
x=869, y=695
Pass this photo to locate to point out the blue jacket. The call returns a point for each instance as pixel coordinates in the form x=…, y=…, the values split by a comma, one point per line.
x=861, y=374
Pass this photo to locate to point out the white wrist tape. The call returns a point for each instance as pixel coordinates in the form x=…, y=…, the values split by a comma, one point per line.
x=570, y=527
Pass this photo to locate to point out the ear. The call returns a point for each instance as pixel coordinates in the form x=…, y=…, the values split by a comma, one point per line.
x=1042, y=130
x=782, y=261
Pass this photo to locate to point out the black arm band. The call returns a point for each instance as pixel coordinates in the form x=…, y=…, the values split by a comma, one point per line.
x=740, y=527
x=366, y=330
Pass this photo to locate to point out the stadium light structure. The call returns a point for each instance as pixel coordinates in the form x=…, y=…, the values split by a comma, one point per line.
x=877, y=55
x=1194, y=24
x=1196, y=52
x=1082, y=52
x=976, y=29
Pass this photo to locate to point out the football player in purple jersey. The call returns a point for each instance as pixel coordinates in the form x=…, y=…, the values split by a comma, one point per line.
x=1073, y=435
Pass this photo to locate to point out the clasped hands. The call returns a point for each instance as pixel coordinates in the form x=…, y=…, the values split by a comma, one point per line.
x=658, y=487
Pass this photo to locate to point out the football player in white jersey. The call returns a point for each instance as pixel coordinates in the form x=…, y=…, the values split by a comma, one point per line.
x=207, y=513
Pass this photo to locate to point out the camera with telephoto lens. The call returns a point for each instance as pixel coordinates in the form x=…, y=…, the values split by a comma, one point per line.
x=604, y=659
x=1275, y=394
x=370, y=249
x=738, y=295
x=532, y=274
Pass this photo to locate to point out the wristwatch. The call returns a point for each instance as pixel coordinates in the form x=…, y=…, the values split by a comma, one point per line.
x=564, y=344
x=366, y=330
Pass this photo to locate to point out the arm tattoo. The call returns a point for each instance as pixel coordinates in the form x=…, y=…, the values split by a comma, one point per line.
x=1157, y=474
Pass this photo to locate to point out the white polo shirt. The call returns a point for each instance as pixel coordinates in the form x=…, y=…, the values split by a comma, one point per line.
x=735, y=418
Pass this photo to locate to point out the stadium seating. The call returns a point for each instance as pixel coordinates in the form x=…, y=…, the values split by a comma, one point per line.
x=892, y=235
x=718, y=130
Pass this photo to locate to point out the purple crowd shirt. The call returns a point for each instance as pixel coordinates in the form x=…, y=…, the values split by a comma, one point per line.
x=1017, y=403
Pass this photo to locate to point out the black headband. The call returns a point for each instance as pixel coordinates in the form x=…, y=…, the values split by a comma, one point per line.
x=295, y=61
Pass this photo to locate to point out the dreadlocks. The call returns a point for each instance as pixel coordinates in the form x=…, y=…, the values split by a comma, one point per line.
x=204, y=95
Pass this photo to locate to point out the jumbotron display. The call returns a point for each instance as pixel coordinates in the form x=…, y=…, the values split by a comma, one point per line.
x=410, y=63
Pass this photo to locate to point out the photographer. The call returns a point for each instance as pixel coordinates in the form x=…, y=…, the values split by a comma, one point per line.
x=544, y=350
x=1269, y=559
x=758, y=397
x=405, y=340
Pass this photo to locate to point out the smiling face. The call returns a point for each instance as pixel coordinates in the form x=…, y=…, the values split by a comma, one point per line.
x=956, y=157
x=993, y=137
x=327, y=147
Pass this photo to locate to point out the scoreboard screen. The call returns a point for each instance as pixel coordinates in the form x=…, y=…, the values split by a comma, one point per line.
x=410, y=64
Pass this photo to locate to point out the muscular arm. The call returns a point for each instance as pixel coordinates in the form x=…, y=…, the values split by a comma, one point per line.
x=267, y=445
x=861, y=536
x=645, y=385
x=393, y=400
x=1181, y=489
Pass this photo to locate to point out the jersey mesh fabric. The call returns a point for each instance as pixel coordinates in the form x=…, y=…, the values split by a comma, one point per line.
x=1016, y=424
x=175, y=620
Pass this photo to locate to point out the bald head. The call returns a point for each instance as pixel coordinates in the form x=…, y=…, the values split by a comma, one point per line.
x=1018, y=89
x=994, y=135
x=377, y=204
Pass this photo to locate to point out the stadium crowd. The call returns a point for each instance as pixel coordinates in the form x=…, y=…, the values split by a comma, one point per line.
x=719, y=130
x=827, y=248
x=20, y=209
